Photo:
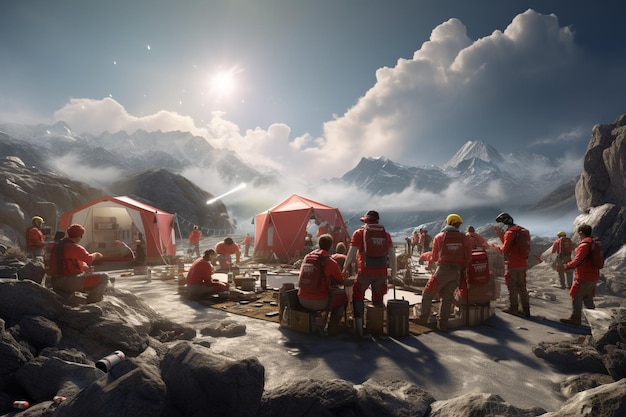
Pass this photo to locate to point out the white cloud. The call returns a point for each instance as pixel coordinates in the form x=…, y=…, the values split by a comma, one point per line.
x=455, y=89
x=419, y=112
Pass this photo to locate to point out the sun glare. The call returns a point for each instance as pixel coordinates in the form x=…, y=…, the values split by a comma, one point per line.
x=223, y=83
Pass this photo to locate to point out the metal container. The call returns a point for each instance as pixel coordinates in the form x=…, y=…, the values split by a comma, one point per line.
x=398, y=318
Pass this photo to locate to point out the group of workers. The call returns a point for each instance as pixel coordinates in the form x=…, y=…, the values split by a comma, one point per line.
x=372, y=247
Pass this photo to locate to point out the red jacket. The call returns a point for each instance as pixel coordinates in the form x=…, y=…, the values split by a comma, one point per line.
x=75, y=258
x=585, y=271
x=194, y=236
x=332, y=273
x=511, y=253
x=200, y=272
x=223, y=249
x=35, y=239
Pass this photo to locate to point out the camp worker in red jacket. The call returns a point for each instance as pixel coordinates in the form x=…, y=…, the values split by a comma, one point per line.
x=200, y=280
x=35, y=241
x=452, y=253
x=516, y=263
x=587, y=276
x=76, y=272
x=194, y=240
x=321, y=292
x=371, y=270
x=562, y=246
x=224, y=250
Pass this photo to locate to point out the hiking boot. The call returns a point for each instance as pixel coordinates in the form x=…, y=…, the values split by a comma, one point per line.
x=515, y=311
x=423, y=320
x=442, y=326
x=526, y=312
x=574, y=319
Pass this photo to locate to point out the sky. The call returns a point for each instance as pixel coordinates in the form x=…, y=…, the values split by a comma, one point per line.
x=308, y=88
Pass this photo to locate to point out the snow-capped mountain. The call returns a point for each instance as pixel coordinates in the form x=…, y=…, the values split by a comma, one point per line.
x=132, y=153
x=477, y=166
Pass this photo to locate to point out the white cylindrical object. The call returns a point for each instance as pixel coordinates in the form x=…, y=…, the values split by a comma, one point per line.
x=105, y=364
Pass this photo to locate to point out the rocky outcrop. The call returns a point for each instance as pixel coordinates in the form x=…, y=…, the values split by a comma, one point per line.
x=48, y=352
x=603, y=179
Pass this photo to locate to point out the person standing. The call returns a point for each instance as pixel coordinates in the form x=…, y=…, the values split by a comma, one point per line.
x=374, y=247
x=587, y=276
x=563, y=247
x=478, y=242
x=76, y=273
x=194, y=239
x=515, y=247
x=318, y=283
x=35, y=241
x=414, y=242
x=199, y=277
x=247, y=240
x=452, y=253
x=225, y=250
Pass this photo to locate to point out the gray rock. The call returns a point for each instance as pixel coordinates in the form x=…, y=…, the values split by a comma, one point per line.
x=615, y=360
x=579, y=383
x=202, y=382
x=39, y=331
x=393, y=399
x=224, y=328
x=480, y=404
x=603, y=170
x=567, y=355
x=12, y=356
x=138, y=392
x=40, y=302
x=309, y=398
x=43, y=378
x=32, y=270
x=607, y=400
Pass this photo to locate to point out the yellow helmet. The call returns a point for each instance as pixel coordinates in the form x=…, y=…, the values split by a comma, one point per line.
x=453, y=218
x=37, y=220
x=561, y=234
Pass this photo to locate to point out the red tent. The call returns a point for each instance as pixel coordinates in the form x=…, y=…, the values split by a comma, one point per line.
x=110, y=221
x=281, y=231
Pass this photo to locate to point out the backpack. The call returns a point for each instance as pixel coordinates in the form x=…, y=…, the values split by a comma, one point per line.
x=596, y=253
x=565, y=246
x=312, y=272
x=375, y=246
x=53, y=258
x=522, y=242
x=478, y=271
x=453, y=248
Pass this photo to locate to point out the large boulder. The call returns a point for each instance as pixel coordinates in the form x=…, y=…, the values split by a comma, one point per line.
x=603, y=177
x=608, y=400
x=201, y=382
x=480, y=404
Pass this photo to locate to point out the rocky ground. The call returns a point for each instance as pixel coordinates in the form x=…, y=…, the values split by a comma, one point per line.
x=184, y=359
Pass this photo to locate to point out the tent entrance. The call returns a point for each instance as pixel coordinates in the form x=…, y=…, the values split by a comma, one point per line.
x=109, y=229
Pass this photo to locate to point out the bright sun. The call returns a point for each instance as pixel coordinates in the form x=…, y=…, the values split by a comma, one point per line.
x=223, y=83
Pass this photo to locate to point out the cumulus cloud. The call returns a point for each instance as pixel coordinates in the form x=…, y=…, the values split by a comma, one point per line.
x=455, y=89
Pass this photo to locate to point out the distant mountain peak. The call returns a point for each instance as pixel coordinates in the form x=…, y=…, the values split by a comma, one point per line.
x=475, y=150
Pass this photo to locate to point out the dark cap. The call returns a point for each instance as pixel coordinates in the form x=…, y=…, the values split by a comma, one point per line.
x=370, y=216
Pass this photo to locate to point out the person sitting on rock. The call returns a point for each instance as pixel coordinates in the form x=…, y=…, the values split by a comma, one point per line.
x=76, y=273
x=199, y=278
